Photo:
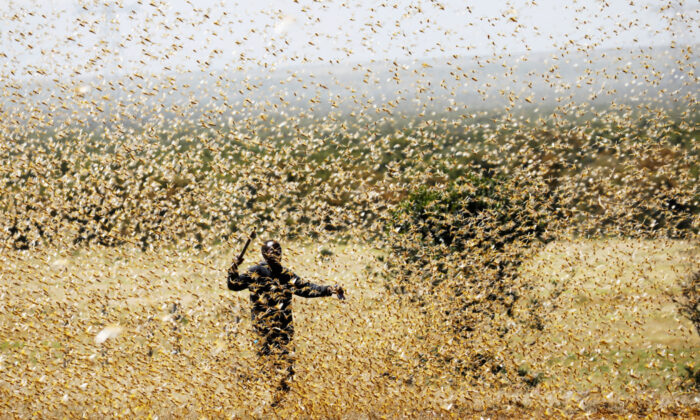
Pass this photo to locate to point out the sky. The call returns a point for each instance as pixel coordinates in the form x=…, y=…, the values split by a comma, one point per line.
x=52, y=38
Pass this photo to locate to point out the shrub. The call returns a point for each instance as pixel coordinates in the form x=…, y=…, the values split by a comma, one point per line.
x=689, y=300
x=459, y=249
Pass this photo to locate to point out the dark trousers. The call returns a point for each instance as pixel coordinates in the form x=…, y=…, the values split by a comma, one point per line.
x=275, y=352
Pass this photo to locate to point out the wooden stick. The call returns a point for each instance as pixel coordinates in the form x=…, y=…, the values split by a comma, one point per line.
x=245, y=247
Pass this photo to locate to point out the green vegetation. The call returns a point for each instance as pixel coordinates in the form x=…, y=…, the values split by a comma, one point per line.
x=195, y=186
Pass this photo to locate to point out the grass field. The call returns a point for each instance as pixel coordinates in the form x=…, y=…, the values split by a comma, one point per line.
x=613, y=322
x=120, y=333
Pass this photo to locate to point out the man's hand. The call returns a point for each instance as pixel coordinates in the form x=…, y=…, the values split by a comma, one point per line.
x=234, y=265
x=338, y=290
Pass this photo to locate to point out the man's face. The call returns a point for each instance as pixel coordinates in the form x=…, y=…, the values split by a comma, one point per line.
x=272, y=252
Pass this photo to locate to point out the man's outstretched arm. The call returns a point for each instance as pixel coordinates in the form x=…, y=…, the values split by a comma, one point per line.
x=307, y=289
x=236, y=282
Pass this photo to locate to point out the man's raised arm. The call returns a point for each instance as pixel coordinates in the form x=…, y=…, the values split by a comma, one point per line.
x=236, y=282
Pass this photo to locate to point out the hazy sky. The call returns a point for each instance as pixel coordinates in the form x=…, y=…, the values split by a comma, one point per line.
x=63, y=37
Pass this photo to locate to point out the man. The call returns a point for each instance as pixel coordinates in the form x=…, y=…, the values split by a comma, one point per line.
x=271, y=288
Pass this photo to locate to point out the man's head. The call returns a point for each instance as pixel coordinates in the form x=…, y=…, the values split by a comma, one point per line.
x=272, y=252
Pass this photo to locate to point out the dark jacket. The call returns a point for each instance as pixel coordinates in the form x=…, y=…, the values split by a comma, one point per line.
x=271, y=293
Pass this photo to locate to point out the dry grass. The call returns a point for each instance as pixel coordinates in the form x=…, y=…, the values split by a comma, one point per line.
x=609, y=313
x=613, y=342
